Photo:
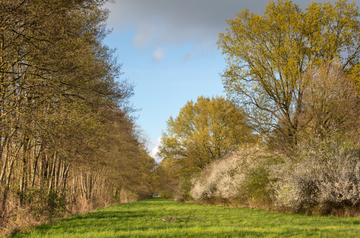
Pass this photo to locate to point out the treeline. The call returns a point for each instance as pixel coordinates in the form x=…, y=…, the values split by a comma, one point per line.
x=293, y=77
x=68, y=141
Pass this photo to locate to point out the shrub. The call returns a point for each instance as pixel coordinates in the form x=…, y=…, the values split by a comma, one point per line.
x=324, y=175
x=243, y=176
x=216, y=180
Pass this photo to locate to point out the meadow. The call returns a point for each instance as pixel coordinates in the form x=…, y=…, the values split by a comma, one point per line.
x=157, y=217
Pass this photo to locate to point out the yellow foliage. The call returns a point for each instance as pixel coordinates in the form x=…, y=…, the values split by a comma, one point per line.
x=205, y=131
x=268, y=54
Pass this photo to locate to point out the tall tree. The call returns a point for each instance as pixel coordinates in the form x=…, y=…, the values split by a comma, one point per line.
x=204, y=131
x=66, y=132
x=269, y=53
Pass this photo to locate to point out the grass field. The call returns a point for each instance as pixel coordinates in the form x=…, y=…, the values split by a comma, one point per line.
x=158, y=217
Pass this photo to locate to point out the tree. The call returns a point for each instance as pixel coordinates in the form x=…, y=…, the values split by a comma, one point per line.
x=268, y=54
x=331, y=104
x=204, y=131
x=330, y=108
x=167, y=179
x=67, y=135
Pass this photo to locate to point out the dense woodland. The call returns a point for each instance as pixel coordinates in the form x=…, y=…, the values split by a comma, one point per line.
x=285, y=138
x=293, y=104
x=68, y=139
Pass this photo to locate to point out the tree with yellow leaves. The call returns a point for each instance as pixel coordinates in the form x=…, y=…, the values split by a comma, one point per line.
x=269, y=53
x=203, y=132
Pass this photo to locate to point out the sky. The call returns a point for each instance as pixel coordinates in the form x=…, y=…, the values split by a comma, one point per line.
x=168, y=50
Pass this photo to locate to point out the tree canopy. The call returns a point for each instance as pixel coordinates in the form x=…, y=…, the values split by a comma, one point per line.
x=204, y=131
x=269, y=53
x=64, y=111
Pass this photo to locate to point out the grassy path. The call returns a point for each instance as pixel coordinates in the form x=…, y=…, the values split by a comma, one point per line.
x=158, y=217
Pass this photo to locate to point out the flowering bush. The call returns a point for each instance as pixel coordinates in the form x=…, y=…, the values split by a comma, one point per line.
x=242, y=175
x=325, y=174
x=216, y=180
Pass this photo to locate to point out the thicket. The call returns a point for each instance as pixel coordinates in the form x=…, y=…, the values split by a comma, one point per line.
x=294, y=74
x=203, y=132
x=242, y=177
x=322, y=178
x=322, y=174
x=68, y=141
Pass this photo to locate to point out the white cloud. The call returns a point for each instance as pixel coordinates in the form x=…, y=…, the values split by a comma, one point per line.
x=154, y=147
x=158, y=54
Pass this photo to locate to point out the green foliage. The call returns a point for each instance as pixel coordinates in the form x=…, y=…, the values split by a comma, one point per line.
x=256, y=187
x=269, y=53
x=55, y=204
x=167, y=179
x=42, y=203
x=158, y=217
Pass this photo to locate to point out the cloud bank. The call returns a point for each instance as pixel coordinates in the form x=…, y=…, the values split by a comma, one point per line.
x=161, y=22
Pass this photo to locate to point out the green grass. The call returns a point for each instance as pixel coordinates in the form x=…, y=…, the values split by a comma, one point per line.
x=158, y=217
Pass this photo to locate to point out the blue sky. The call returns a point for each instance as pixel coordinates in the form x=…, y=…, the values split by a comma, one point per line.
x=168, y=50
x=164, y=86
